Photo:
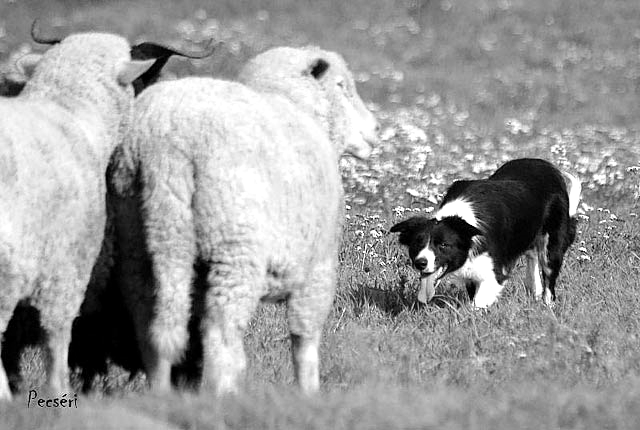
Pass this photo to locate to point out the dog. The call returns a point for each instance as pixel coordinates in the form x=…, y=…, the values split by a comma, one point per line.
x=483, y=226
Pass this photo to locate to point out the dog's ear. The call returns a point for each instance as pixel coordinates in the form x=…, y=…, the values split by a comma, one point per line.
x=465, y=229
x=410, y=224
x=410, y=227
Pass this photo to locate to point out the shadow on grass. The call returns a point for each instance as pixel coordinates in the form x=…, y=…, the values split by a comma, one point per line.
x=102, y=340
x=402, y=298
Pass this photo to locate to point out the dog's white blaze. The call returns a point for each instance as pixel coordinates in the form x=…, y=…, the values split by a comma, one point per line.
x=533, y=280
x=428, y=254
x=574, y=190
x=480, y=270
x=460, y=208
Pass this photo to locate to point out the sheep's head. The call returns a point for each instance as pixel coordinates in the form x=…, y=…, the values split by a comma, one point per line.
x=319, y=82
x=106, y=58
x=91, y=75
x=352, y=125
x=96, y=73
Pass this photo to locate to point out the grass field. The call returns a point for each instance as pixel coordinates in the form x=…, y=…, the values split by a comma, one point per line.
x=459, y=87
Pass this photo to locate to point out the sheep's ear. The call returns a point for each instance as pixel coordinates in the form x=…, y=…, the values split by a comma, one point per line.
x=318, y=68
x=128, y=71
x=27, y=64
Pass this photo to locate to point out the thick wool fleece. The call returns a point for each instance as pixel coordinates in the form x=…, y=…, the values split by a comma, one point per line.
x=56, y=138
x=242, y=179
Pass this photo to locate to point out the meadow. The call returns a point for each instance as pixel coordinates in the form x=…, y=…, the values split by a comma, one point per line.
x=459, y=87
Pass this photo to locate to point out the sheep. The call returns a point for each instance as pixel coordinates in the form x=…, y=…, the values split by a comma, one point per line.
x=56, y=139
x=240, y=182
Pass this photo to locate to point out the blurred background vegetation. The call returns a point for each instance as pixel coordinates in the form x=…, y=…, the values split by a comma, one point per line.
x=555, y=62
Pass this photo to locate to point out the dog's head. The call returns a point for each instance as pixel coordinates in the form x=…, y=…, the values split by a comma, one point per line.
x=436, y=247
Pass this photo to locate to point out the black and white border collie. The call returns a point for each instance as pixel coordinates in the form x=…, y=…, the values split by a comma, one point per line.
x=483, y=226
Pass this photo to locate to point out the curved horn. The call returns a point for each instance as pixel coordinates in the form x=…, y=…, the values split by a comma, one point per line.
x=161, y=53
x=149, y=50
x=39, y=38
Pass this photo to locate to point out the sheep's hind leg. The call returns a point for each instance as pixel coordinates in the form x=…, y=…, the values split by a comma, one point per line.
x=6, y=310
x=308, y=308
x=59, y=304
x=171, y=243
x=168, y=331
x=234, y=294
x=11, y=290
x=58, y=340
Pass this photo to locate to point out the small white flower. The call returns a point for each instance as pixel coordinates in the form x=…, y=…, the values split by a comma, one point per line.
x=399, y=210
x=414, y=134
x=387, y=134
x=413, y=193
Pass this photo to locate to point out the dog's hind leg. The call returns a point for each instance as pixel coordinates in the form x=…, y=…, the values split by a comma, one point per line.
x=548, y=286
x=561, y=232
x=556, y=249
x=533, y=281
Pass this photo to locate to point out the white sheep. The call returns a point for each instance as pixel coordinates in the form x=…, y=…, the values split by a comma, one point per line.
x=241, y=180
x=56, y=139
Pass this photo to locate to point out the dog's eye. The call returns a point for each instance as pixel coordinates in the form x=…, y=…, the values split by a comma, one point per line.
x=443, y=245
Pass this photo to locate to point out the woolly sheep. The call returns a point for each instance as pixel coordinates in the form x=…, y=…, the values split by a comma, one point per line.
x=56, y=139
x=241, y=181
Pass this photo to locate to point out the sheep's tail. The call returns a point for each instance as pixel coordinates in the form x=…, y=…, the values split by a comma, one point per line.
x=574, y=188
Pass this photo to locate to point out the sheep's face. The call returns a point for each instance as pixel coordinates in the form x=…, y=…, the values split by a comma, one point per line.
x=353, y=126
x=319, y=82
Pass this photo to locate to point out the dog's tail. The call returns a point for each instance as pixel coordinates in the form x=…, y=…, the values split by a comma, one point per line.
x=573, y=189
